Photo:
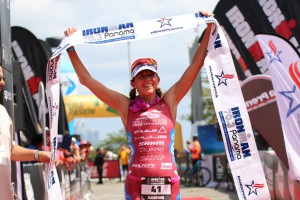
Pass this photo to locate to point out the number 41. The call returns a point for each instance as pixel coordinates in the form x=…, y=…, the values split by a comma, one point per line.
x=156, y=189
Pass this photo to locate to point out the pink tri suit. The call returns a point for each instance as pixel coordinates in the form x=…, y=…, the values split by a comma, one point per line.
x=150, y=134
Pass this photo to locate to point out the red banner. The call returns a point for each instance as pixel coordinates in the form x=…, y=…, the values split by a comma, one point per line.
x=111, y=169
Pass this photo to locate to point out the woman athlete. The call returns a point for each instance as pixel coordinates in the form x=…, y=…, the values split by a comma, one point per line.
x=149, y=119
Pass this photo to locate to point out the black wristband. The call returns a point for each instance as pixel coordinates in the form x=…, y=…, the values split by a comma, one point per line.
x=71, y=48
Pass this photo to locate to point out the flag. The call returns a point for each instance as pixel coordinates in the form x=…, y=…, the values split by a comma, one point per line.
x=284, y=67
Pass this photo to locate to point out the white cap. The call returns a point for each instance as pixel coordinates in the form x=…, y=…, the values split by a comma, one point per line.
x=140, y=68
x=143, y=64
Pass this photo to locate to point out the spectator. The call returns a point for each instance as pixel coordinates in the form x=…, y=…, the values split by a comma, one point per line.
x=124, y=155
x=85, y=150
x=75, y=150
x=187, y=156
x=48, y=138
x=11, y=151
x=98, y=162
x=109, y=154
x=195, y=152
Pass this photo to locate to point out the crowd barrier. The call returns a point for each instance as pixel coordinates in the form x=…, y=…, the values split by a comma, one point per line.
x=74, y=183
x=280, y=185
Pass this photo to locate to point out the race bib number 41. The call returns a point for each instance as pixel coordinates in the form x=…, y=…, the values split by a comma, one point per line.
x=156, y=188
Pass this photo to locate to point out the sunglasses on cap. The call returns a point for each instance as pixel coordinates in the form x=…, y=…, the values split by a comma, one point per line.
x=143, y=64
x=144, y=61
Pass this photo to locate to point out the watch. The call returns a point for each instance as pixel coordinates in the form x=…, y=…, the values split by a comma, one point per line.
x=36, y=155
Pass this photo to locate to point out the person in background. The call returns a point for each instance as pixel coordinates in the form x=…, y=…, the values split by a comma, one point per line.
x=75, y=150
x=144, y=113
x=195, y=152
x=109, y=154
x=85, y=150
x=48, y=144
x=98, y=163
x=124, y=155
x=11, y=151
x=68, y=159
x=187, y=156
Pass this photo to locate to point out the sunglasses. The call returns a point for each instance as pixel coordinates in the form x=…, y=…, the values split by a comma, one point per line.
x=144, y=61
x=2, y=78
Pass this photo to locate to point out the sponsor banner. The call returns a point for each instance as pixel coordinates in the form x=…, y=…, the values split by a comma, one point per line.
x=208, y=137
x=69, y=80
x=111, y=169
x=53, y=97
x=261, y=103
x=232, y=115
x=271, y=16
x=33, y=55
x=227, y=12
x=29, y=52
x=130, y=31
x=87, y=106
x=277, y=16
x=5, y=37
x=234, y=121
x=284, y=66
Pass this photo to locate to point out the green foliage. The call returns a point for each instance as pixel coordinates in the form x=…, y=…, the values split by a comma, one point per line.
x=114, y=141
x=209, y=112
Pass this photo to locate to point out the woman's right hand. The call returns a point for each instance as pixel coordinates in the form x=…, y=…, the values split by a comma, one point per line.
x=69, y=31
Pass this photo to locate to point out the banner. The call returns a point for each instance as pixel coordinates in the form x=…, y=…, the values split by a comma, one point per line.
x=240, y=146
x=53, y=99
x=284, y=66
x=29, y=52
x=87, y=106
x=232, y=115
x=111, y=169
x=33, y=55
x=277, y=16
x=240, y=26
x=261, y=103
x=240, y=36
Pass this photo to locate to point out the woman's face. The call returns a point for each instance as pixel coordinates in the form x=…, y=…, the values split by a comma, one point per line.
x=146, y=82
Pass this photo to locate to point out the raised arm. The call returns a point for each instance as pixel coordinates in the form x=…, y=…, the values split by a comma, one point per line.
x=174, y=95
x=112, y=98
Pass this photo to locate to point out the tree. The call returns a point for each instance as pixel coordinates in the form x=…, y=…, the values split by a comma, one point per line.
x=114, y=141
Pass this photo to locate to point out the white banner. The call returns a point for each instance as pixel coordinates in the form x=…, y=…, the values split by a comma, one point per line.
x=228, y=100
x=52, y=92
x=239, y=141
x=284, y=67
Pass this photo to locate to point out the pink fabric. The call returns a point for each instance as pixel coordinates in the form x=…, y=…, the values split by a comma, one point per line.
x=151, y=136
x=139, y=104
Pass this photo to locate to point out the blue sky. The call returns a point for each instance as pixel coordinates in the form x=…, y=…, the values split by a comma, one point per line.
x=109, y=64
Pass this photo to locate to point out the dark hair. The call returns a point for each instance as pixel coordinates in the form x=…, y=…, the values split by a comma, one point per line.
x=132, y=93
